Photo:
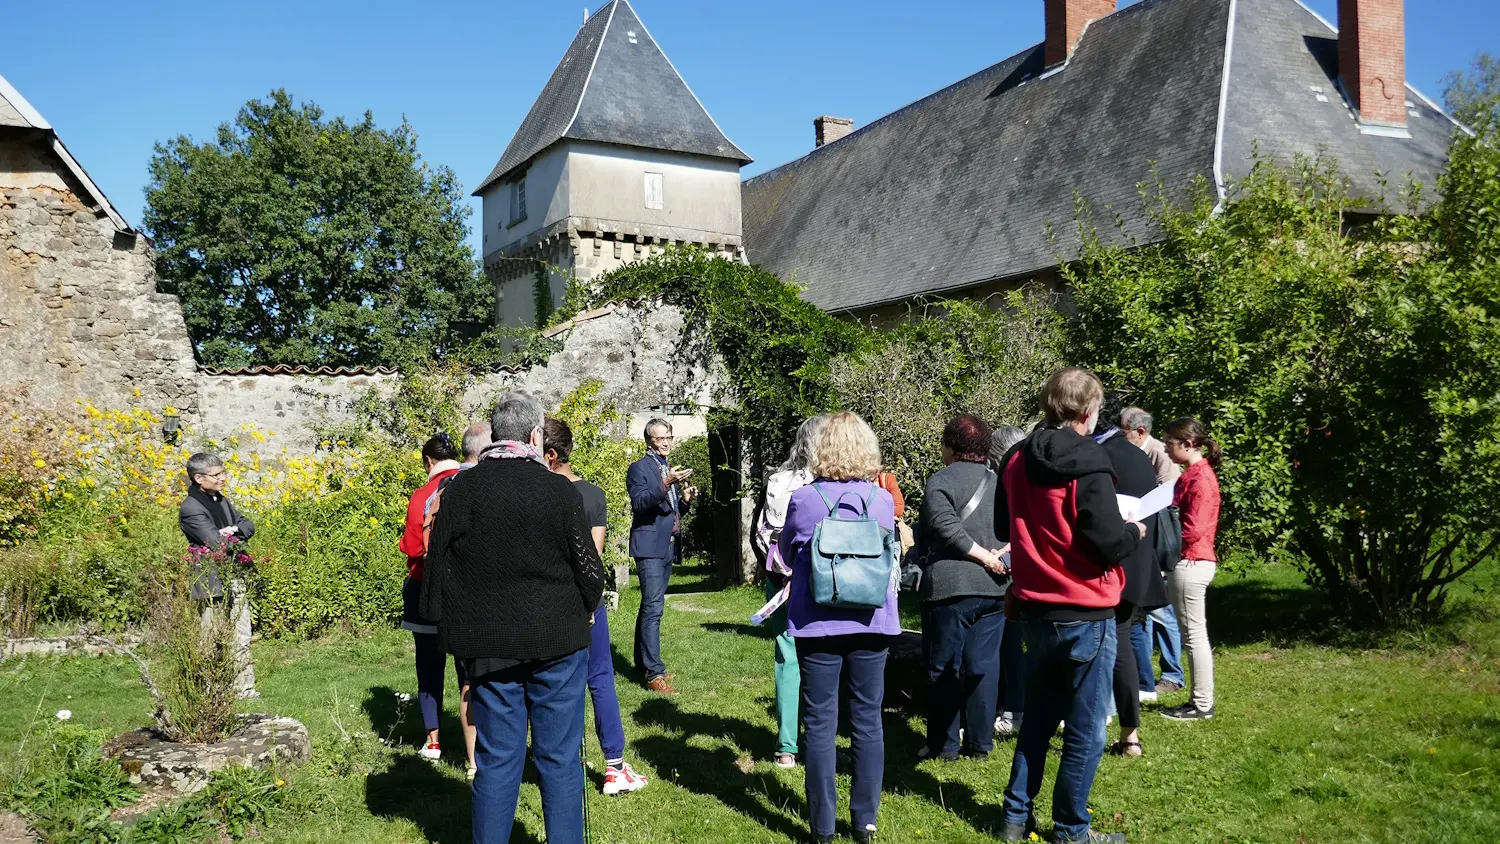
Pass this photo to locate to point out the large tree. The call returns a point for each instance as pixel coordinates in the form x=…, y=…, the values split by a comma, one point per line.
x=1473, y=94
x=294, y=238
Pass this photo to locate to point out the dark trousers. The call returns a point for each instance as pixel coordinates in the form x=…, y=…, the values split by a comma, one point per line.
x=547, y=696
x=1127, y=673
x=1012, y=670
x=655, y=573
x=431, y=660
x=963, y=672
x=607, y=724
x=861, y=660
x=1069, y=666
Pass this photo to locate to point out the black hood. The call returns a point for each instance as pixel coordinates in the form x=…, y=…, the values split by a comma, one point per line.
x=1055, y=456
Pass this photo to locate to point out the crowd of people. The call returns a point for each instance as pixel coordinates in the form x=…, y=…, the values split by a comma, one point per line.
x=1043, y=588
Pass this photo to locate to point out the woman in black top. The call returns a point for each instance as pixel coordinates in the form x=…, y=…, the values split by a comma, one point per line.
x=963, y=594
x=609, y=728
x=1144, y=588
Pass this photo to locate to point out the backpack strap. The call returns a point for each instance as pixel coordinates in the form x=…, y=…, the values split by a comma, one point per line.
x=834, y=505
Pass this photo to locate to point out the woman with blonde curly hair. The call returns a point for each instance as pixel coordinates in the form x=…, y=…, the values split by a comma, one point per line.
x=835, y=641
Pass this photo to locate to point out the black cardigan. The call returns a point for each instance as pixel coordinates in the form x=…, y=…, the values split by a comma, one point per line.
x=1134, y=475
x=511, y=570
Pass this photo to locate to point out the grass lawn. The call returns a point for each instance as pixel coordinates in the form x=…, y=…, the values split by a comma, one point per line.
x=1316, y=740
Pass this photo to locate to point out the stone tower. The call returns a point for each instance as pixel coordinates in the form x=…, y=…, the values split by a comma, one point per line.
x=616, y=160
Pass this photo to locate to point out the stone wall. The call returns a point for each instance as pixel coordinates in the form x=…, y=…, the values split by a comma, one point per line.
x=79, y=312
x=289, y=408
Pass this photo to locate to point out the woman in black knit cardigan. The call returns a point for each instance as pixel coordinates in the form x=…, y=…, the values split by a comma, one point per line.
x=512, y=581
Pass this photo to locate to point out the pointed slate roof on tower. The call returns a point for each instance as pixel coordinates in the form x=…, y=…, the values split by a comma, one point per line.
x=616, y=86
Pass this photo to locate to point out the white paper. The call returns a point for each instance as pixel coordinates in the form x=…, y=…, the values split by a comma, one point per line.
x=1129, y=506
x=772, y=605
x=1156, y=500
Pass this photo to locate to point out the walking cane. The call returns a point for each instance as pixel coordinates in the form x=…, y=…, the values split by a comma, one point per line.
x=582, y=750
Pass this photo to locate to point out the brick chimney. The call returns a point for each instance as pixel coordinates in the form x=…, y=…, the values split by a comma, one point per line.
x=1372, y=59
x=829, y=129
x=1065, y=22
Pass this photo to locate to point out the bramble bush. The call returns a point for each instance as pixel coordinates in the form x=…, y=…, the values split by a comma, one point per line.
x=1346, y=361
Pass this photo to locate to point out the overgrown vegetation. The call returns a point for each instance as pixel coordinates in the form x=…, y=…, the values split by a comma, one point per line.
x=955, y=357
x=776, y=346
x=1346, y=362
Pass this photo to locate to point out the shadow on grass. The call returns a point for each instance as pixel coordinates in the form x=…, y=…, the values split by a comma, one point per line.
x=439, y=805
x=716, y=772
x=1245, y=611
x=400, y=722
x=764, y=631
x=904, y=773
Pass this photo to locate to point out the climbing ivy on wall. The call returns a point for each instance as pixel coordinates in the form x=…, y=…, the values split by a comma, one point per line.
x=541, y=289
x=776, y=346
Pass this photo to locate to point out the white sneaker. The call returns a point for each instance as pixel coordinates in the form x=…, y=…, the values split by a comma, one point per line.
x=1007, y=724
x=432, y=752
x=622, y=780
x=1148, y=697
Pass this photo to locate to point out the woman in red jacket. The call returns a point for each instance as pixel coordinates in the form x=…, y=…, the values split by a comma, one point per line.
x=441, y=461
x=1197, y=499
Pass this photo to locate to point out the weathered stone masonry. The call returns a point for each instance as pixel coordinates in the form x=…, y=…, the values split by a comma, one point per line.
x=79, y=312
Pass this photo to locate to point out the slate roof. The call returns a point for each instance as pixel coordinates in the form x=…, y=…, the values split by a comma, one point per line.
x=615, y=85
x=962, y=187
x=17, y=113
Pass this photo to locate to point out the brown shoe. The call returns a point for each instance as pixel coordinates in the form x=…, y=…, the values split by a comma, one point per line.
x=660, y=686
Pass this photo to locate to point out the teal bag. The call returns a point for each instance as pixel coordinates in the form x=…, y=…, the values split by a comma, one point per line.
x=853, y=560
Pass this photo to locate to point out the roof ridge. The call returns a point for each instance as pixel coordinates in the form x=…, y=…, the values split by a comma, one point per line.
x=593, y=63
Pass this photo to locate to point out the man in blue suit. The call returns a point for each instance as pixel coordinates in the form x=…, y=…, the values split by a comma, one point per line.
x=658, y=501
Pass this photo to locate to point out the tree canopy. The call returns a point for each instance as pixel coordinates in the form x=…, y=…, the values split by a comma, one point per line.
x=1473, y=93
x=1346, y=362
x=301, y=239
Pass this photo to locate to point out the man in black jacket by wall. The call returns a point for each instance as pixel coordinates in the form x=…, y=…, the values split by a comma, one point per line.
x=512, y=580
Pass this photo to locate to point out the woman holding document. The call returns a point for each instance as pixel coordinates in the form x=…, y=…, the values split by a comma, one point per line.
x=1197, y=498
x=1135, y=477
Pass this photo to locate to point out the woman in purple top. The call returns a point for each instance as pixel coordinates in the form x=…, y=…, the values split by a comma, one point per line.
x=833, y=640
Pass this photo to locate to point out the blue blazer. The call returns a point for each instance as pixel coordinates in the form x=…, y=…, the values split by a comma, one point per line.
x=651, y=516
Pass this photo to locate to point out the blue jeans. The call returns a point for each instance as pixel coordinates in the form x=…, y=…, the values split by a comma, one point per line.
x=1070, y=666
x=547, y=696
x=607, y=724
x=823, y=659
x=963, y=672
x=655, y=573
x=1160, y=625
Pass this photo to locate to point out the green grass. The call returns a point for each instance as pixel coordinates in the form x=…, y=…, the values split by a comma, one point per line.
x=1322, y=735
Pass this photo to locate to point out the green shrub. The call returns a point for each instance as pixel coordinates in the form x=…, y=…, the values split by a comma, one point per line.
x=698, y=525
x=602, y=460
x=958, y=357
x=1347, y=364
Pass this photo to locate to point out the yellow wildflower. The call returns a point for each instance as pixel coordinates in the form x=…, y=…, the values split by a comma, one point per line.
x=39, y=463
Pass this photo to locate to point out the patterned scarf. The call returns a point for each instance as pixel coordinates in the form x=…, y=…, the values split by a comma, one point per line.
x=512, y=450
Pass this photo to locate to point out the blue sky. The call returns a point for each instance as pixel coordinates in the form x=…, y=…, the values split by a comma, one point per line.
x=115, y=78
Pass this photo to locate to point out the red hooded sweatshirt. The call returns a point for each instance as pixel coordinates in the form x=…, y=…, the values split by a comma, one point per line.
x=1067, y=538
x=416, y=513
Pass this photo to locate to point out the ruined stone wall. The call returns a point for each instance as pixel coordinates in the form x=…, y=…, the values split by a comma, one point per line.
x=290, y=409
x=79, y=312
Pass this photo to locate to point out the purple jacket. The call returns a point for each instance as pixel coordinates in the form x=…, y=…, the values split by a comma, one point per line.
x=806, y=617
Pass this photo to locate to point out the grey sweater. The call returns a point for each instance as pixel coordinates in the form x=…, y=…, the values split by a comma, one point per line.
x=944, y=542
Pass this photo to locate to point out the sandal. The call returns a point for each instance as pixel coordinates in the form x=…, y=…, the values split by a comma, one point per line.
x=1126, y=748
